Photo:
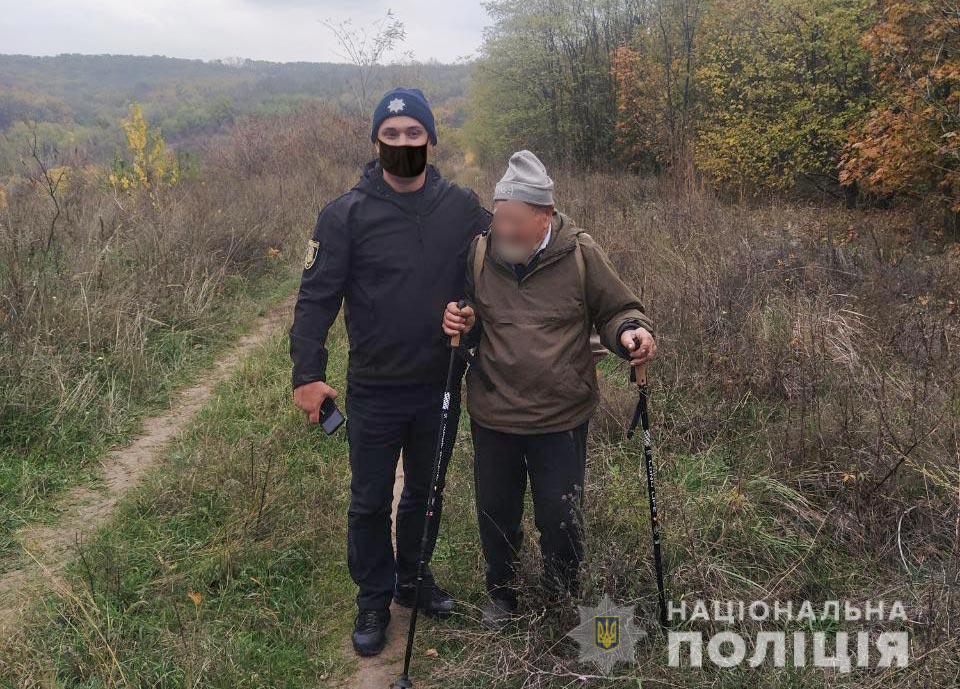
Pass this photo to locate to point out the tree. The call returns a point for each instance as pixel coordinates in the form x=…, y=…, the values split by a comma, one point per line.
x=910, y=142
x=655, y=84
x=781, y=83
x=365, y=49
x=151, y=165
x=544, y=80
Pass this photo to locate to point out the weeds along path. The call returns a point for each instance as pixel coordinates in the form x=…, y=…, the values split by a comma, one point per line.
x=49, y=547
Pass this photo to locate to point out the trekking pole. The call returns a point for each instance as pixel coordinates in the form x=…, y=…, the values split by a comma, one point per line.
x=638, y=375
x=433, y=501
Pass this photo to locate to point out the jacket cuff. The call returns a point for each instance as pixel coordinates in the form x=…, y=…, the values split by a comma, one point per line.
x=628, y=324
x=303, y=378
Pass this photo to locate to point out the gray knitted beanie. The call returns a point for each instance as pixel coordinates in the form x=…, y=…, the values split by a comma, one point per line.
x=526, y=179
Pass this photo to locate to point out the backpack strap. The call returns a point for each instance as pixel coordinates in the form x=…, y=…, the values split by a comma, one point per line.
x=596, y=347
x=478, y=256
x=582, y=270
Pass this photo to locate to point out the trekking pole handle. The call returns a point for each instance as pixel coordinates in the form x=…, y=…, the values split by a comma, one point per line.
x=638, y=374
x=455, y=340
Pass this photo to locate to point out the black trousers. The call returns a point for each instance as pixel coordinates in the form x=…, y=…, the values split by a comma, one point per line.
x=555, y=463
x=382, y=421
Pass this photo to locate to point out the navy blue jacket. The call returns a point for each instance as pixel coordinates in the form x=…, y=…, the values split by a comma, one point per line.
x=395, y=260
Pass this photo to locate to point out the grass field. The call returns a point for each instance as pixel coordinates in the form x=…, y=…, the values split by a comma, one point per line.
x=806, y=410
x=226, y=568
x=110, y=300
x=33, y=474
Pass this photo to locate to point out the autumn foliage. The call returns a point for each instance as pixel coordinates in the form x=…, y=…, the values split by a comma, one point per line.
x=781, y=82
x=778, y=94
x=909, y=143
x=151, y=164
x=656, y=91
x=824, y=95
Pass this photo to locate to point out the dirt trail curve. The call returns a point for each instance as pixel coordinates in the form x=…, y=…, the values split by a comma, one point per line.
x=84, y=509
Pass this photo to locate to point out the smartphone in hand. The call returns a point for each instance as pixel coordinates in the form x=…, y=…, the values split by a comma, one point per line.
x=330, y=417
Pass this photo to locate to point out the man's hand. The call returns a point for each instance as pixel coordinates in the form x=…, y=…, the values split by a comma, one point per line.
x=457, y=321
x=640, y=344
x=309, y=397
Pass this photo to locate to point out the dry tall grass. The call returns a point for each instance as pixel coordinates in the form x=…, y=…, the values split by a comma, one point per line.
x=105, y=296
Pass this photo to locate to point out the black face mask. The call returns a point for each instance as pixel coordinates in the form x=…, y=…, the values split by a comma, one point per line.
x=403, y=161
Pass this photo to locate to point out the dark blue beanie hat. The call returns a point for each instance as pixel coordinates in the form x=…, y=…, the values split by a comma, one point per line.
x=409, y=102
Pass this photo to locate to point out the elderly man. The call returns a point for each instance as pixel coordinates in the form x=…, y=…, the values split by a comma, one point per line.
x=538, y=285
x=393, y=248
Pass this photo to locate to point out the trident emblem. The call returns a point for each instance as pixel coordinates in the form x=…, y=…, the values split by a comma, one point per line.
x=607, y=632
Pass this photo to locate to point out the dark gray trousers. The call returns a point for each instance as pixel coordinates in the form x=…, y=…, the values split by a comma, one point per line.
x=555, y=464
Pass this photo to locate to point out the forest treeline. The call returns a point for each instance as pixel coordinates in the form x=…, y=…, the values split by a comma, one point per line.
x=855, y=97
x=76, y=101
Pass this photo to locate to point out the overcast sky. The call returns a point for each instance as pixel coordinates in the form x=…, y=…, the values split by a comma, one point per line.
x=278, y=30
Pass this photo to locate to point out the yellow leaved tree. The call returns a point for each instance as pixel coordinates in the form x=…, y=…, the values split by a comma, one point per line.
x=151, y=164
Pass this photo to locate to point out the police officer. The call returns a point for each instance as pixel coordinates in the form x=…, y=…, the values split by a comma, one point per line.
x=393, y=249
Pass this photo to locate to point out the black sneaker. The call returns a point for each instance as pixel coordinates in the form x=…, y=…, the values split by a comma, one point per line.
x=370, y=631
x=434, y=601
x=498, y=612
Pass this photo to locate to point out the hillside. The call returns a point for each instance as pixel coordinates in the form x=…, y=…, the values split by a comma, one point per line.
x=77, y=99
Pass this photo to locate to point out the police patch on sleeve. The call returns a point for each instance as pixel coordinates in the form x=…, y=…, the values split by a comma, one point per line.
x=312, y=247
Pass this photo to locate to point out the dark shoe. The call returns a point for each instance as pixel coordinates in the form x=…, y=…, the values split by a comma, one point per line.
x=434, y=601
x=498, y=612
x=370, y=631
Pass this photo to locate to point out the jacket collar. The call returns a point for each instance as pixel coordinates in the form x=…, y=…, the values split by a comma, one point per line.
x=372, y=184
x=562, y=238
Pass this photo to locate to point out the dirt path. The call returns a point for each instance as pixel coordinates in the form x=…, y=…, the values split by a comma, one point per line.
x=50, y=547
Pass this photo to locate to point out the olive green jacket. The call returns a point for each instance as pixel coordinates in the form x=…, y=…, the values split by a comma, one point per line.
x=533, y=335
